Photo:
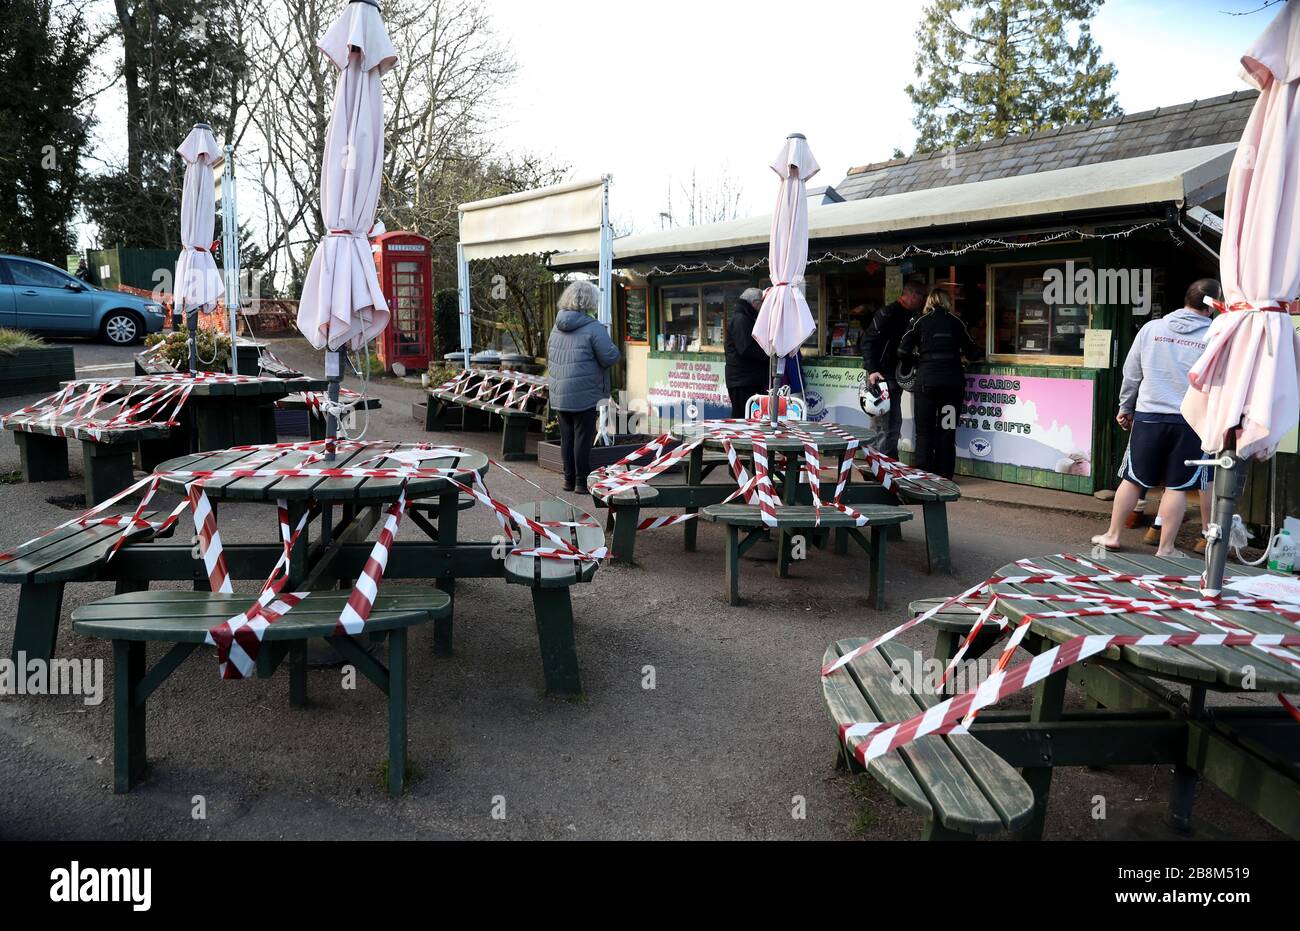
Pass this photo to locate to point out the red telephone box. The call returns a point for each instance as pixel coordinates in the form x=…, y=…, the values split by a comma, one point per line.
x=405, y=264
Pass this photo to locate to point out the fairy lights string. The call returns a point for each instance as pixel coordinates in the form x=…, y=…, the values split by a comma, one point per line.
x=987, y=244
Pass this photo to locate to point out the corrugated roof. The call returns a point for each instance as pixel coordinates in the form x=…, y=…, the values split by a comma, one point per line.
x=1167, y=177
x=1197, y=124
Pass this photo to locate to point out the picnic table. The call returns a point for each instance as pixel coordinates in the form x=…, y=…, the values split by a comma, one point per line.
x=517, y=399
x=787, y=451
x=1145, y=705
x=688, y=490
x=330, y=570
x=227, y=410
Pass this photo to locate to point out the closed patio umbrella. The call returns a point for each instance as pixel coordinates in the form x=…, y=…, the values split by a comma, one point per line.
x=1245, y=389
x=342, y=304
x=784, y=321
x=197, y=286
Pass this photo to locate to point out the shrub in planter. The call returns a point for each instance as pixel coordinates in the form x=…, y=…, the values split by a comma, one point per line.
x=214, y=350
x=28, y=364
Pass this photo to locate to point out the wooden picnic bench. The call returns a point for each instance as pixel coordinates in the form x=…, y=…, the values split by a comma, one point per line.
x=951, y=628
x=517, y=399
x=550, y=581
x=43, y=566
x=307, y=403
x=1130, y=716
x=736, y=517
x=686, y=489
x=183, y=620
x=962, y=787
x=933, y=494
x=108, y=459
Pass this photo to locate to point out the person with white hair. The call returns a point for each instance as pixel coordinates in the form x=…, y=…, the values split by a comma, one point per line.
x=747, y=364
x=579, y=355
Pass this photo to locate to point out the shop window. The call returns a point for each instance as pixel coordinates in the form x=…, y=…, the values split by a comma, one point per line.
x=681, y=319
x=812, y=291
x=694, y=318
x=1027, y=323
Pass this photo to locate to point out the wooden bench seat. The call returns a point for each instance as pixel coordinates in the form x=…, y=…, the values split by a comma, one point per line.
x=515, y=422
x=951, y=628
x=736, y=517
x=108, y=463
x=550, y=580
x=315, y=416
x=183, y=618
x=933, y=495
x=624, y=517
x=43, y=566
x=961, y=786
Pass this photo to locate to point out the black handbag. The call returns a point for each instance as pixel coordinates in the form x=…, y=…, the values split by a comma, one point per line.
x=905, y=375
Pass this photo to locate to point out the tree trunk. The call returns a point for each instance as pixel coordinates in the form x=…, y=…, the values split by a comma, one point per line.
x=131, y=78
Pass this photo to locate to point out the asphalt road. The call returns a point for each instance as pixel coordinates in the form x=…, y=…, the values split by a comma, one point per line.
x=731, y=742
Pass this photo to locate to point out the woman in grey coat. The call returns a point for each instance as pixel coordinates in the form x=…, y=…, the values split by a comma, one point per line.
x=579, y=355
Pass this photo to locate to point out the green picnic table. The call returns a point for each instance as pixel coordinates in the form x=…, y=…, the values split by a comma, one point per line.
x=690, y=491
x=1145, y=705
x=136, y=615
x=224, y=411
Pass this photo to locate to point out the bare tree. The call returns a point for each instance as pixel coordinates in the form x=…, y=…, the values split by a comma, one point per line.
x=439, y=101
x=699, y=201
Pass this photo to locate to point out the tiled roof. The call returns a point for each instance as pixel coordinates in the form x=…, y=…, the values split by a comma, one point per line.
x=1165, y=129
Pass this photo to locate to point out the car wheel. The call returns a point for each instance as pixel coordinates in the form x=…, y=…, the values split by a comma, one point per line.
x=122, y=328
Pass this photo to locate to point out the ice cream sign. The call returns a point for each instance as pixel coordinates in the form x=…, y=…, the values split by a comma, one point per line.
x=1038, y=423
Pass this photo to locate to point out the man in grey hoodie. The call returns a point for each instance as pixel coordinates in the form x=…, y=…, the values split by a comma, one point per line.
x=579, y=354
x=1155, y=380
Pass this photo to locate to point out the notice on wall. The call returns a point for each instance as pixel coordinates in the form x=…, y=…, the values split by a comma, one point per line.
x=636, y=320
x=1096, y=348
x=831, y=392
x=893, y=283
x=675, y=384
x=1038, y=423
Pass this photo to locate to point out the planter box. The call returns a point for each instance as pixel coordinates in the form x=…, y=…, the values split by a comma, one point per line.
x=549, y=458
x=33, y=371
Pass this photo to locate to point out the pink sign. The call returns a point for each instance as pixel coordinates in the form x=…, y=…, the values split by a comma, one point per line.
x=1038, y=423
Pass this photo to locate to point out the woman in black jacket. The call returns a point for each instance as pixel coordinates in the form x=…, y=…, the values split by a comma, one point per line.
x=938, y=341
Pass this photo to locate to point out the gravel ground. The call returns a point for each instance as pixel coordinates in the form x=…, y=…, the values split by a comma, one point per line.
x=725, y=745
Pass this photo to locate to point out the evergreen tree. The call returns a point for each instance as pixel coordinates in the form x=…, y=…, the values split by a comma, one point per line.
x=181, y=64
x=44, y=61
x=992, y=68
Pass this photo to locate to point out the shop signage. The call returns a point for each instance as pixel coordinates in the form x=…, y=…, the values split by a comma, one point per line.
x=1037, y=423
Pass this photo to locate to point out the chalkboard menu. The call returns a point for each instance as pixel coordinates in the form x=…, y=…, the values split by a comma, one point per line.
x=636, y=317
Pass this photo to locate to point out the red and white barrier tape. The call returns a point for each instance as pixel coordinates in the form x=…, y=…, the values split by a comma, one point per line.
x=955, y=715
x=238, y=638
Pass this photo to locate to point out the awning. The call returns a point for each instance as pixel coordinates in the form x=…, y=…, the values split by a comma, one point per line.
x=563, y=218
x=1183, y=178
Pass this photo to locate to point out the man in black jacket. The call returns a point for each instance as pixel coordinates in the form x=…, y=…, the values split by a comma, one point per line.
x=880, y=357
x=747, y=364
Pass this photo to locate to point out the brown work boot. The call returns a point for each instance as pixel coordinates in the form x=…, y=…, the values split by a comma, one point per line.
x=1200, y=546
x=1136, y=519
x=1152, y=536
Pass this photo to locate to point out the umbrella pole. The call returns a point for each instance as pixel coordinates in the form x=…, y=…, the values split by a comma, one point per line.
x=771, y=391
x=192, y=325
x=333, y=375
x=1229, y=482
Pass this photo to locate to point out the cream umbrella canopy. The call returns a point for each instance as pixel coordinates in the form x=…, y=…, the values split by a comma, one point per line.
x=197, y=286
x=1245, y=389
x=342, y=304
x=784, y=321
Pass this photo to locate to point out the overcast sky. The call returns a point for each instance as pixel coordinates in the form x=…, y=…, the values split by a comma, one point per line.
x=647, y=92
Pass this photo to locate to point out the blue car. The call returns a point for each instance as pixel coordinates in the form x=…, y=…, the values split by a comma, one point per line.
x=37, y=296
